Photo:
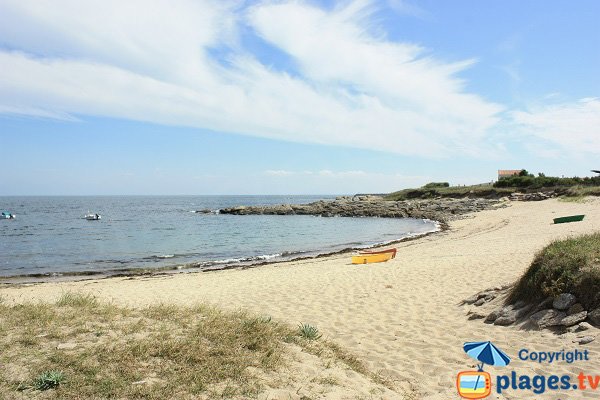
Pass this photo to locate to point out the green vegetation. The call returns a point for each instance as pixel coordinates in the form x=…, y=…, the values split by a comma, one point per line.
x=431, y=185
x=582, y=191
x=309, y=332
x=565, y=266
x=84, y=349
x=524, y=182
x=48, y=380
x=77, y=300
x=483, y=190
x=527, y=180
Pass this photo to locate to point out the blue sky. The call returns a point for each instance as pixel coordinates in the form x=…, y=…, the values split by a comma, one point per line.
x=298, y=97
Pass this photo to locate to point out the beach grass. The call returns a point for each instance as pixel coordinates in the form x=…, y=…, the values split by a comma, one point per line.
x=486, y=190
x=565, y=266
x=580, y=191
x=80, y=348
x=425, y=192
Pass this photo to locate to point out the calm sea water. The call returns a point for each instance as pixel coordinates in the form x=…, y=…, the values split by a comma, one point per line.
x=49, y=235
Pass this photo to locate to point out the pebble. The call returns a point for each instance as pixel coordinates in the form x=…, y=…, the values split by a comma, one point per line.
x=584, y=340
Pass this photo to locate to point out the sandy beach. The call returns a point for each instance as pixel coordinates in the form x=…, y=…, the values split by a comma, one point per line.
x=403, y=317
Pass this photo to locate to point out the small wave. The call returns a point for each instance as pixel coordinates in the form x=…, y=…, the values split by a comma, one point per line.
x=263, y=257
x=292, y=253
x=164, y=256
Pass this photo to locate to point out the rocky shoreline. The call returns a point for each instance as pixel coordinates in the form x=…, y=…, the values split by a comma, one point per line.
x=441, y=210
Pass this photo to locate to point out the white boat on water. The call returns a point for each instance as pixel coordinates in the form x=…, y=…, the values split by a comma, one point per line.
x=7, y=215
x=92, y=217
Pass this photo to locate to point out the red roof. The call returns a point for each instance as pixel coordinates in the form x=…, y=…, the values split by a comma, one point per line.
x=509, y=172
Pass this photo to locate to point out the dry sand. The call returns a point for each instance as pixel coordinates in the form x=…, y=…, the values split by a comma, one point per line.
x=402, y=317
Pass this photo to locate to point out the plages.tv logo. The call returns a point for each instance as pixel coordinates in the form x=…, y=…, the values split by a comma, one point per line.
x=478, y=384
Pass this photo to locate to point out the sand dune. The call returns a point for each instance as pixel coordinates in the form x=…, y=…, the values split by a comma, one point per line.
x=402, y=317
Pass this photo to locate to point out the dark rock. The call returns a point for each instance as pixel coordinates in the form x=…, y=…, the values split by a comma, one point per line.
x=594, y=316
x=490, y=297
x=544, y=304
x=475, y=315
x=472, y=299
x=480, y=302
x=492, y=316
x=434, y=209
x=204, y=211
x=564, y=301
x=505, y=320
x=574, y=319
x=508, y=315
x=584, y=326
x=575, y=308
x=547, y=318
x=523, y=311
x=519, y=304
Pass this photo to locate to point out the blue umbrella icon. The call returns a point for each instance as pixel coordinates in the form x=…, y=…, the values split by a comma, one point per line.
x=486, y=353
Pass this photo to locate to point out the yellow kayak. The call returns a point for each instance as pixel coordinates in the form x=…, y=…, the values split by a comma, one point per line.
x=371, y=258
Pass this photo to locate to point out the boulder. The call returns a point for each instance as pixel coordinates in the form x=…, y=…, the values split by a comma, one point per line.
x=547, y=318
x=519, y=304
x=505, y=320
x=493, y=316
x=564, y=301
x=575, y=309
x=584, y=326
x=594, y=317
x=509, y=315
x=574, y=319
x=544, y=304
x=475, y=315
x=480, y=302
x=522, y=311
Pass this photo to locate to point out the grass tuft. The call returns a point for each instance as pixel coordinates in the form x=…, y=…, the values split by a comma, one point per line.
x=309, y=332
x=565, y=266
x=78, y=300
x=582, y=191
x=48, y=380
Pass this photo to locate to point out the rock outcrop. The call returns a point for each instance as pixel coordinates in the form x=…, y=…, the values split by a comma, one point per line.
x=562, y=313
x=374, y=206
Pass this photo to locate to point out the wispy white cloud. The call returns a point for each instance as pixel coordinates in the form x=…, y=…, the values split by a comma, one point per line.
x=183, y=63
x=154, y=63
x=571, y=126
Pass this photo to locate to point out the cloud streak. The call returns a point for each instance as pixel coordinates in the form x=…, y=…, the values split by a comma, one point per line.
x=571, y=126
x=185, y=63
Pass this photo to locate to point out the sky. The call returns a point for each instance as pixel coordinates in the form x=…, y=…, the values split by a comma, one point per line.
x=210, y=97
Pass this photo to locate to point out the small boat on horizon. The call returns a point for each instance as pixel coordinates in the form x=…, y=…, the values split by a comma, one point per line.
x=570, y=218
x=372, y=257
x=92, y=217
x=7, y=215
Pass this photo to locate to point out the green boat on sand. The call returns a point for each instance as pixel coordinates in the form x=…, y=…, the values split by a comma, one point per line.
x=570, y=218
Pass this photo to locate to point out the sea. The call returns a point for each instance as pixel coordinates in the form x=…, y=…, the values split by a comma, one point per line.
x=50, y=238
